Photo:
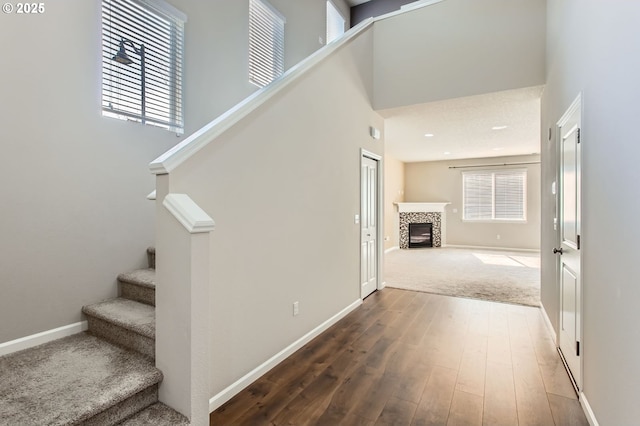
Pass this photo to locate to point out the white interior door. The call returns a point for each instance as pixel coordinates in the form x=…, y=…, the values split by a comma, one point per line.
x=569, y=279
x=369, y=226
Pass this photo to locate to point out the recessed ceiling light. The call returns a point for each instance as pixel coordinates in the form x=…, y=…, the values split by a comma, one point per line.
x=498, y=149
x=447, y=153
x=498, y=127
x=428, y=135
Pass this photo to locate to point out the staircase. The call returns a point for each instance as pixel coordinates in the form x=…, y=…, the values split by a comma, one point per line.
x=105, y=376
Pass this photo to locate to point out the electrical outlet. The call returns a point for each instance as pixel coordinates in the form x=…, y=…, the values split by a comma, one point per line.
x=296, y=308
x=498, y=237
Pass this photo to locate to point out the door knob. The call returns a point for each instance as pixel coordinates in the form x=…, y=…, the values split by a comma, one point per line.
x=557, y=251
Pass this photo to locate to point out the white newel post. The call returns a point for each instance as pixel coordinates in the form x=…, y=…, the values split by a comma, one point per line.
x=183, y=232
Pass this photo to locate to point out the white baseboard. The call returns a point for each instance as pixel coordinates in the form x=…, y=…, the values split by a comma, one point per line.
x=43, y=337
x=493, y=248
x=390, y=249
x=228, y=393
x=588, y=412
x=547, y=320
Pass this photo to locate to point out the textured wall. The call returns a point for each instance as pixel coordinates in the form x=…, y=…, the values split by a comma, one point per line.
x=591, y=49
x=393, y=193
x=74, y=212
x=283, y=186
x=458, y=48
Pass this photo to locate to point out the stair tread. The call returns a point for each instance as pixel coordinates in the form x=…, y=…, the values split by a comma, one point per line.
x=125, y=313
x=157, y=415
x=69, y=380
x=142, y=277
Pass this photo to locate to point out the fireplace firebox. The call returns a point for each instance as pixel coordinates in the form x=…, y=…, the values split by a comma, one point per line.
x=420, y=235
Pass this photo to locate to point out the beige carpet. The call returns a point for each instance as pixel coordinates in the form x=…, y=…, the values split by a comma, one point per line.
x=499, y=276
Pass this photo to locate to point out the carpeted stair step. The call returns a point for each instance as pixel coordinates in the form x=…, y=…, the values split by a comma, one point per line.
x=157, y=415
x=139, y=285
x=124, y=322
x=79, y=379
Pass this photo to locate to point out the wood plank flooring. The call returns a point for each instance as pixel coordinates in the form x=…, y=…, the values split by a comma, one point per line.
x=409, y=358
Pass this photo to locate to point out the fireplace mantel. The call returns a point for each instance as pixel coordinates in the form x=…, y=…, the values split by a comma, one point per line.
x=421, y=207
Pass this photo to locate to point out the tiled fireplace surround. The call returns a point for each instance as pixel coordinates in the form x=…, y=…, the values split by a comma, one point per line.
x=421, y=213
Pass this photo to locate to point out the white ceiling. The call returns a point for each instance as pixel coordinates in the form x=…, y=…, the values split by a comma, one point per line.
x=463, y=127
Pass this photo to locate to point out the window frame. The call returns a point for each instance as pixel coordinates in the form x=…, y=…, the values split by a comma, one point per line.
x=333, y=9
x=493, y=173
x=265, y=65
x=152, y=29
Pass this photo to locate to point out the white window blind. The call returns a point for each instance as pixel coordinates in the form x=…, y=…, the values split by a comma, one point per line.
x=509, y=196
x=266, y=43
x=142, y=55
x=335, y=22
x=499, y=196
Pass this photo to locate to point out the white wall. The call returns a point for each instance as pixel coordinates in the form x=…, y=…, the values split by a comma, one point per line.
x=74, y=212
x=459, y=48
x=592, y=49
x=393, y=193
x=283, y=186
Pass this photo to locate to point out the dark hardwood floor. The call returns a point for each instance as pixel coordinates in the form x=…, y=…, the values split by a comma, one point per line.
x=408, y=358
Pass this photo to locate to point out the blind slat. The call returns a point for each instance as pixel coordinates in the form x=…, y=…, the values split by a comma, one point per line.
x=494, y=195
x=266, y=43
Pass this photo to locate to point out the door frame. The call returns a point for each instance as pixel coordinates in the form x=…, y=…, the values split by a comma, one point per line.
x=576, y=106
x=379, y=216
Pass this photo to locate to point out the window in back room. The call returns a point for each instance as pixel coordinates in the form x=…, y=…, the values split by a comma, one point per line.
x=494, y=195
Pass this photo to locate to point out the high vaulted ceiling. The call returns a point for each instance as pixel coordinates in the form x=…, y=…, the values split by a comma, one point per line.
x=492, y=125
x=356, y=2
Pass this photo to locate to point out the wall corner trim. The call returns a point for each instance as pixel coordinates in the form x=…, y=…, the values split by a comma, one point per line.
x=188, y=213
x=42, y=337
x=228, y=393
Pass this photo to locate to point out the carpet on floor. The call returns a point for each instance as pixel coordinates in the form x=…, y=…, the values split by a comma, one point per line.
x=495, y=275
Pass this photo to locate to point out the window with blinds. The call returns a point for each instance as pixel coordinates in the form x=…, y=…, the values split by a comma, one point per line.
x=266, y=43
x=335, y=22
x=142, y=55
x=499, y=196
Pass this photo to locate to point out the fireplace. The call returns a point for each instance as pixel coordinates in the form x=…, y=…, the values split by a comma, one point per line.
x=421, y=214
x=420, y=235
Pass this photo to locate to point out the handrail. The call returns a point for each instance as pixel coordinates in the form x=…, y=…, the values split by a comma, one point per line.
x=199, y=139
